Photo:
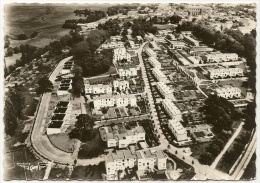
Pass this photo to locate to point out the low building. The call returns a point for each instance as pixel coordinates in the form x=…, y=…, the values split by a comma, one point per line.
x=222, y=72
x=64, y=87
x=150, y=52
x=228, y=92
x=119, y=136
x=175, y=44
x=193, y=60
x=220, y=57
x=154, y=62
x=114, y=100
x=159, y=75
x=172, y=110
x=98, y=89
x=121, y=84
x=191, y=41
x=164, y=90
x=178, y=130
x=144, y=159
x=127, y=71
x=120, y=54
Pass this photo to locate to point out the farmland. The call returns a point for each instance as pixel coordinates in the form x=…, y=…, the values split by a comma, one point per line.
x=46, y=19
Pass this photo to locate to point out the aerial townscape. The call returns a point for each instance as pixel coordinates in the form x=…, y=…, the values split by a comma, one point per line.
x=130, y=91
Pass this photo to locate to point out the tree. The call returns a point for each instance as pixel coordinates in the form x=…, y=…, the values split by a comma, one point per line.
x=76, y=70
x=10, y=52
x=10, y=118
x=250, y=116
x=17, y=49
x=45, y=85
x=22, y=37
x=206, y=158
x=84, y=124
x=77, y=85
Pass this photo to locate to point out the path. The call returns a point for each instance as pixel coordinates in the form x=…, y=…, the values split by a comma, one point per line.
x=231, y=140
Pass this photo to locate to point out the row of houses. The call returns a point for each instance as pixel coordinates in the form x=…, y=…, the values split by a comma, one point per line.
x=109, y=100
x=220, y=57
x=143, y=159
x=225, y=72
x=228, y=92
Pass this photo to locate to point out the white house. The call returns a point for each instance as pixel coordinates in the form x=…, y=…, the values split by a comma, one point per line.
x=98, y=89
x=164, y=90
x=159, y=75
x=121, y=84
x=228, y=92
x=120, y=54
x=154, y=62
x=178, y=130
x=172, y=110
x=127, y=71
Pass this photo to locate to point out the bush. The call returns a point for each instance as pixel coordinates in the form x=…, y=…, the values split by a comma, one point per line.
x=22, y=37
x=34, y=34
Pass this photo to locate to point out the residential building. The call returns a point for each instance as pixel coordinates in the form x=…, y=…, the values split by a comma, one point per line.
x=88, y=26
x=65, y=85
x=121, y=84
x=164, y=90
x=116, y=38
x=120, y=54
x=154, y=62
x=139, y=39
x=154, y=45
x=114, y=100
x=198, y=10
x=175, y=44
x=220, y=57
x=127, y=71
x=98, y=89
x=150, y=52
x=191, y=41
x=222, y=72
x=159, y=75
x=178, y=130
x=172, y=110
x=228, y=92
x=119, y=136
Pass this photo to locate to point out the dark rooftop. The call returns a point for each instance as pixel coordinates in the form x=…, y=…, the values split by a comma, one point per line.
x=62, y=104
x=64, y=88
x=60, y=110
x=55, y=124
x=58, y=117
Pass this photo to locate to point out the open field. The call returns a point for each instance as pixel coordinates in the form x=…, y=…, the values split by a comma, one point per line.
x=12, y=60
x=46, y=19
x=62, y=141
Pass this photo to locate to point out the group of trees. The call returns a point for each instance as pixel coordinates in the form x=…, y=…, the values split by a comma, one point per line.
x=114, y=10
x=13, y=109
x=220, y=113
x=141, y=26
x=232, y=41
x=85, y=55
x=92, y=16
x=111, y=26
x=175, y=19
x=44, y=85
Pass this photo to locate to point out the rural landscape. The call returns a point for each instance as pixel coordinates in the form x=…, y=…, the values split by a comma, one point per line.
x=130, y=91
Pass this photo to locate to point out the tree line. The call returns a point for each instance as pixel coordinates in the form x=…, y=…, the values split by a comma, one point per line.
x=124, y=9
x=141, y=26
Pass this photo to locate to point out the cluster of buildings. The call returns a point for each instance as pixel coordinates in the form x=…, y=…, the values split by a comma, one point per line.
x=222, y=72
x=118, y=136
x=59, y=118
x=228, y=92
x=64, y=87
x=143, y=159
x=174, y=124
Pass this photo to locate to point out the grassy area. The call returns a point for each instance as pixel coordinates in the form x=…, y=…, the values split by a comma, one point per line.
x=12, y=60
x=62, y=141
x=91, y=172
x=45, y=19
x=92, y=148
x=59, y=173
x=112, y=71
x=14, y=172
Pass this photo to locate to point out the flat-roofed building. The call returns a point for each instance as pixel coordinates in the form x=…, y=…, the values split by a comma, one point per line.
x=98, y=89
x=178, y=130
x=198, y=10
x=190, y=40
x=175, y=44
x=119, y=136
x=114, y=100
x=120, y=54
x=164, y=90
x=150, y=52
x=127, y=71
x=222, y=72
x=172, y=110
x=121, y=84
x=220, y=57
x=159, y=75
x=154, y=62
x=54, y=127
x=228, y=92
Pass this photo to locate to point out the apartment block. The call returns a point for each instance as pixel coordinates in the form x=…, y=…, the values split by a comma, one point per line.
x=159, y=75
x=121, y=84
x=98, y=89
x=178, y=130
x=127, y=71
x=164, y=90
x=120, y=54
x=154, y=62
x=225, y=72
x=119, y=136
x=220, y=57
x=172, y=110
x=228, y=92
x=150, y=52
